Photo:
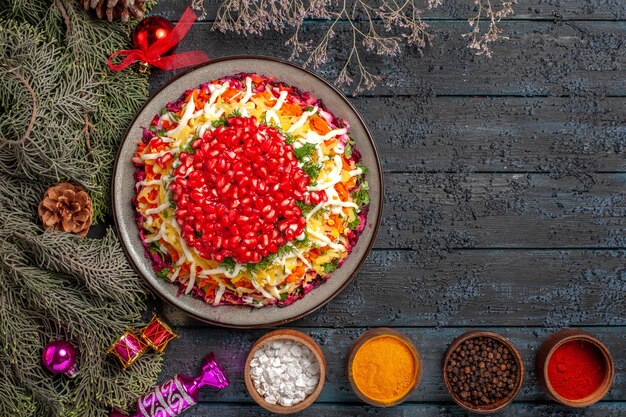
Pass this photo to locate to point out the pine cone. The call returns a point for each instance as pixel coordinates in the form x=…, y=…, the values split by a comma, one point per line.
x=66, y=207
x=115, y=9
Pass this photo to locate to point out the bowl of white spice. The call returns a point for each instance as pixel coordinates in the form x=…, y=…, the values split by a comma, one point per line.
x=285, y=371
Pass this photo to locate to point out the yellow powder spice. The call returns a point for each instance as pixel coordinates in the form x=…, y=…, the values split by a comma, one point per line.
x=384, y=369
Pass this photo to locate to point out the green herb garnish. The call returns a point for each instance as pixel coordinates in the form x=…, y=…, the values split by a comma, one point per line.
x=163, y=273
x=312, y=170
x=222, y=121
x=228, y=264
x=304, y=151
x=329, y=267
x=155, y=247
x=361, y=197
x=189, y=146
x=347, y=151
x=363, y=168
x=304, y=242
x=305, y=208
x=354, y=223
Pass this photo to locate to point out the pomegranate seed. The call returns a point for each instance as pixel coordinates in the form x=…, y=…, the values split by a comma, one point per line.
x=239, y=192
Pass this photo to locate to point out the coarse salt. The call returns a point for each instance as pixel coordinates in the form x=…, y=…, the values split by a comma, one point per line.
x=284, y=372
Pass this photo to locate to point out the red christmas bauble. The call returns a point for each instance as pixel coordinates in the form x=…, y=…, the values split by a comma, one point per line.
x=150, y=30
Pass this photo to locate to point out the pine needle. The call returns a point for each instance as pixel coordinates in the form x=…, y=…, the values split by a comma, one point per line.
x=63, y=115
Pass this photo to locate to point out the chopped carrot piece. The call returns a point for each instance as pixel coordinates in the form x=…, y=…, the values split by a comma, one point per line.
x=342, y=191
x=201, y=99
x=351, y=183
x=291, y=109
x=283, y=87
x=229, y=94
x=319, y=125
x=346, y=165
x=257, y=79
x=173, y=253
x=337, y=223
x=296, y=274
x=190, y=96
x=268, y=98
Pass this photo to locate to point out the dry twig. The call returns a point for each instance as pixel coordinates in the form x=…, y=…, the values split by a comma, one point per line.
x=26, y=135
x=85, y=131
x=66, y=17
x=381, y=27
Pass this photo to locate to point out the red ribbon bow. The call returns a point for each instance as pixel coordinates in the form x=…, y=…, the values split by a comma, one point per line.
x=152, y=55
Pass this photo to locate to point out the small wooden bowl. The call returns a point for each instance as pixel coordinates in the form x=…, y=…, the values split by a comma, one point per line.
x=286, y=334
x=372, y=334
x=543, y=358
x=493, y=408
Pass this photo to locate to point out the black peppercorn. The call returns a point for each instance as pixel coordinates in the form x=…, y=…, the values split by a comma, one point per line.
x=482, y=371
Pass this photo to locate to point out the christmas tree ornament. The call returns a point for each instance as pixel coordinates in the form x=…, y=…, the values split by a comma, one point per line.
x=67, y=208
x=115, y=9
x=128, y=348
x=179, y=393
x=59, y=357
x=154, y=40
x=157, y=334
x=147, y=32
x=150, y=30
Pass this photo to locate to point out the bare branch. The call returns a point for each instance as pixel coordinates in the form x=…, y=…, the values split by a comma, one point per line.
x=26, y=135
x=401, y=24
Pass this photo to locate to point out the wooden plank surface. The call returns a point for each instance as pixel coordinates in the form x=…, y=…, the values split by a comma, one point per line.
x=505, y=202
x=412, y=410
x=431, y=211
x=476, y=288
x=463, y=9
x=578, y=134
x=539, y=59
x=231, y=347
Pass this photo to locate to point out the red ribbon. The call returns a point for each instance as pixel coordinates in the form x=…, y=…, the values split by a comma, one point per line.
x=152, y=55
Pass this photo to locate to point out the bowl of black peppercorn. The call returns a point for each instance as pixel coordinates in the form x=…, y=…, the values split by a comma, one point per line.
x=483, y=371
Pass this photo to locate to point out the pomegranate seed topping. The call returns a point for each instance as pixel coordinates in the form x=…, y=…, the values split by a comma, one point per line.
x=237, y=195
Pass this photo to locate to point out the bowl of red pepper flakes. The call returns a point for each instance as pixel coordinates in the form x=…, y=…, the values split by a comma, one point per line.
x=574, y=368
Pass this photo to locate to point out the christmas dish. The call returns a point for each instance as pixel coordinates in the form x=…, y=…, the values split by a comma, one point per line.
x=249, y=191
x=288, y=240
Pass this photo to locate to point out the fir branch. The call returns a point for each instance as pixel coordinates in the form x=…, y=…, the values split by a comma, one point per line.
x=54, y=285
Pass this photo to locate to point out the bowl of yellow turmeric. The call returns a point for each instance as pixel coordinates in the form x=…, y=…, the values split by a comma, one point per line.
x=384, y=367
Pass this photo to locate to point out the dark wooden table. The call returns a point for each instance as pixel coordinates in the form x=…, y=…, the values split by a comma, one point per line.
x=505, y=203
